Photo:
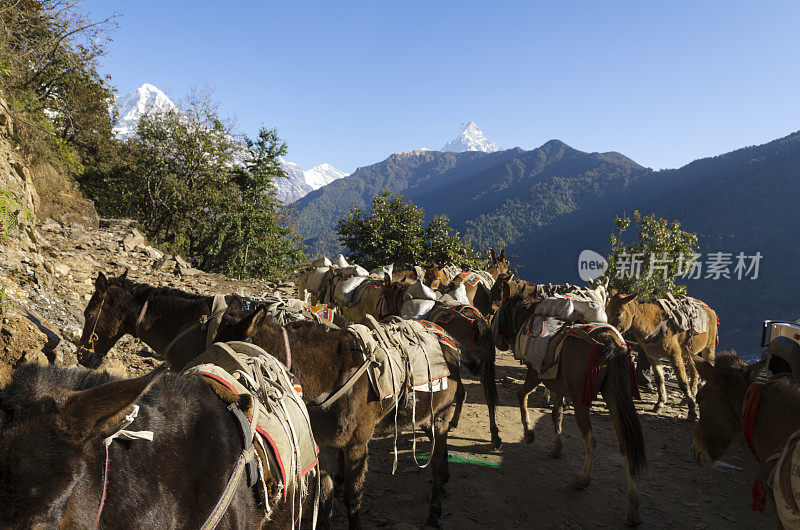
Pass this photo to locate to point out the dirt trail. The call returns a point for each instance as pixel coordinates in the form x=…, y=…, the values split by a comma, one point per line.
x=520, y=486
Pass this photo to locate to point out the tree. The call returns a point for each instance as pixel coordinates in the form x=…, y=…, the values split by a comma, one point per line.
x=201, y=190
x=393, y=232
x=649, y=265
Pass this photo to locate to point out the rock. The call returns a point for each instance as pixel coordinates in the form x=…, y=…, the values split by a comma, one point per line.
x=61, y=269
x=133, y=240
x=152, y=253
x=182, y=262
x=188, y=271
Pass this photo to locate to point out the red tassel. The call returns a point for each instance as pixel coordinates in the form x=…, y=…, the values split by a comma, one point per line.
x=589, y=392
x=632, y=374
x=759, y=495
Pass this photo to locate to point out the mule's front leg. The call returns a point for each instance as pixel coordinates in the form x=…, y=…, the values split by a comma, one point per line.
x=558, y=421
x=530, y=383
x=658, y=373
x=676, y=359
x=589, y=445
x=355, y=471
x=633, y=518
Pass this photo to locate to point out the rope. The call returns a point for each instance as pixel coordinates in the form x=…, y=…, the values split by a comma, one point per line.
x=752, y=402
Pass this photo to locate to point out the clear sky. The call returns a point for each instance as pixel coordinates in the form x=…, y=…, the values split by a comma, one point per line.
x=351, y=82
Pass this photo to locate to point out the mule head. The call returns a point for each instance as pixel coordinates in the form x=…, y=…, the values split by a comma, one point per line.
x=502, y=290
x=393, y=294
x=49, y=450
x=108, y=315
x=721, y=399
x=434, y=275
x=499, y=264
x=620, y=310
x=242, y=327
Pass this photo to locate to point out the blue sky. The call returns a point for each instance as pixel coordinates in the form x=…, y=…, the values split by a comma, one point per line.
x=351, y=82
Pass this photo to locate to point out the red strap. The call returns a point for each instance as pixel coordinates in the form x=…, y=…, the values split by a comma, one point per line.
x=751, y=404
x=288, y=350
x=589, y=392
x=632, y=375
x=106, y=443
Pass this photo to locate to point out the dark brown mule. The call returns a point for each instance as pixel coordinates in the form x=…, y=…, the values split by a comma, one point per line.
x=323, y=360
x=614, y=378
x=117, y=308
x=466, y=325
x=732, y=407
x=642, y=319
x=53, y=458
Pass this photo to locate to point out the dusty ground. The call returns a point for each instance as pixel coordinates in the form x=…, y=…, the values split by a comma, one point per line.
x=527, y=489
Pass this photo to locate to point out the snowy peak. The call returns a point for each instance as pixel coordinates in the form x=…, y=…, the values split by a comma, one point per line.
x=144, y=101
x=299, y=182
x=470, y=138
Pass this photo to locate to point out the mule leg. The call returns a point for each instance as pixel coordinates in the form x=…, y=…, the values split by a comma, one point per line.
x=658, y=373
x=694, y=378
x=487, y=396
x=460, y=399
x=326, y=501
x=589, y=445
x=676, y=360
x=355, y=471
x=632, y=518
x=530, y=383
x=558, y=419
x=440, y=466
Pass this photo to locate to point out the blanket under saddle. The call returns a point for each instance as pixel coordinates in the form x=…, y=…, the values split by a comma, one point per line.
x=451, y=271
x=474, y=277
x=286, y=310
x=278, y=422
x=406, y=355
x=685, y=313
x=540, y=340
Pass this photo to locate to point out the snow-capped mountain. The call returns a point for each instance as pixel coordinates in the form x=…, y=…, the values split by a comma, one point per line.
x=300, y=182
x=470, y=138
x=148, y=99
x=145, y=100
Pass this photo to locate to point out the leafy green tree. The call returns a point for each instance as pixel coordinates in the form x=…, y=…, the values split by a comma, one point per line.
x=393, y=232
x=200, y=190
x=648, y=253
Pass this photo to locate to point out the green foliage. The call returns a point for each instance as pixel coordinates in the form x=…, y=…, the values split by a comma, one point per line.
x=49, y=55
x=6, y=305
x=200, y=191
x=648, y=266
x=393, y=232
x=10, y=208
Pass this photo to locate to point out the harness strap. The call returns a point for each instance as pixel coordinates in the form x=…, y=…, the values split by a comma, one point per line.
x=288, y=349
x=330, y=400
x=203, y=320
x=230, y=489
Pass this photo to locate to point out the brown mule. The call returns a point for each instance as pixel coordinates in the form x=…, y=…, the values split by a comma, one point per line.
x=735, y=405
x=615, y=386
x=434, y=275
x=467, y=325
x=642, y=319
x=324, y=360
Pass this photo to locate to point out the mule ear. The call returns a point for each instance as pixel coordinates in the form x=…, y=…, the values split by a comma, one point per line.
x=511, y=277
x=628, y=298
x=387, y=279
x=124, y=275
x=494, y=257
x=503, y=255
x=100, y=411
x=101, y=283
x=704, y=368
x=605, y=280
x=253, y=322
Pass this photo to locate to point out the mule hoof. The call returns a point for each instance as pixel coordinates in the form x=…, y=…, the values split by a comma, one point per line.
x=580, y=482
x=555, y=452
x=497, y=443
x=530, y=436
x=691, y=416
x=433, y=520
x=633, y=519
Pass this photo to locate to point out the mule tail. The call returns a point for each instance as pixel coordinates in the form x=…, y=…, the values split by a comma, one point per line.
x=617, y=391
x=485, y=338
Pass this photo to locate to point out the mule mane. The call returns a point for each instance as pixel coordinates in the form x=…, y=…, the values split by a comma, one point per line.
x=142, y=291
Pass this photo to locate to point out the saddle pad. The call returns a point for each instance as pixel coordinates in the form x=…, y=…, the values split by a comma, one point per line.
x=533, y=339
x=785, y=482
x=278, y=415
x=451, y=271
x=474, y=277
x=406, y=354
x=685, y=313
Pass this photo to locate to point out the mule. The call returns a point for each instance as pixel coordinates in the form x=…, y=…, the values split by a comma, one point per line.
x=467, y=325
x=323, y=360
x=58, y=471
x=642, y=319
x=732, y=408
x=434, y=275
x=615, y=387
